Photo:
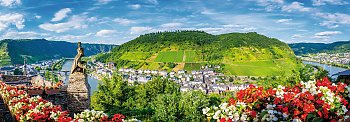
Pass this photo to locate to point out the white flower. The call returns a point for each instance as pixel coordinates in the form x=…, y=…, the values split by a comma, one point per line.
x=236, y=116
x=275, y=119
x=216, y=115
x=244, y=117
x=285, y=115
x=270, y=111
x=344, y=109
x=297, y=120
x=205, y=110
x=223, y=106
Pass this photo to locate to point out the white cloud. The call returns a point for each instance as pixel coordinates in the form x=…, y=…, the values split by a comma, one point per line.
x=38, y=17
x=295, y=6
x=75, y=22
x=171, y=25
x=206, y=11
x=103, y=1
x=229, y=28
x=9, y=3
x=105, y=33
x=135, y=6
x=269, y=4
x=297, y=36
x=328, y=33
x=140, y=30
x=154, y=2
x=92, y=19
x=331, y=2
x=123, y=21
x=333, y=20
x=11, y=19
x=283, y=20
x=61, y=14
x=69, y=37
x=23, y=35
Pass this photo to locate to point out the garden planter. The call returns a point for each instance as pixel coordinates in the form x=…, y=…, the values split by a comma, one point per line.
x=35, y=92
x=52, y=91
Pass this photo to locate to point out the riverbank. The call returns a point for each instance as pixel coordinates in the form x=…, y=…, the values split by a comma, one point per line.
x=331, y=69
x=332, y=64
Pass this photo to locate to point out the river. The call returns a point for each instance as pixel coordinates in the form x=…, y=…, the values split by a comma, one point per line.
x=331, y=69
x=67, y=66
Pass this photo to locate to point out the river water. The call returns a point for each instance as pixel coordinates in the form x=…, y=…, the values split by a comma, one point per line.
x=331, y=69
x=67, y=67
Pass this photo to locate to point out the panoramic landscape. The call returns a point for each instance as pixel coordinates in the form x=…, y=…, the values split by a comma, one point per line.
x=179, y=60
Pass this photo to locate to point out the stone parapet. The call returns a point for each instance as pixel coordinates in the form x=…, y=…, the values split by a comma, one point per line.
x=78, y=91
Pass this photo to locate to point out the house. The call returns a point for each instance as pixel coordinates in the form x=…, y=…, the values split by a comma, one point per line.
x=181, y=72
x=163, y=73
x=7, y=70
x=110, y=65
x=185, y=88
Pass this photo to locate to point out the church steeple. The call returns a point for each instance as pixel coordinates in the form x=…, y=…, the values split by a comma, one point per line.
x=25, y=66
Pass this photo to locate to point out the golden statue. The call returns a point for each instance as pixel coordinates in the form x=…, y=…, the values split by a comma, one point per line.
x=78, y=66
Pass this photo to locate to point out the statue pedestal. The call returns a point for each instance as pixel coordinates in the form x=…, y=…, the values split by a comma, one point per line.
x=78, y=93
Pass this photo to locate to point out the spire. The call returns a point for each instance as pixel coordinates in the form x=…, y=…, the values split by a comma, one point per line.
x=25, y=66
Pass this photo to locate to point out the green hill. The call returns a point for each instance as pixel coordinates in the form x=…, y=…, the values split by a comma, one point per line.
x=247, y=54
x=13, y=51
x=306, y=48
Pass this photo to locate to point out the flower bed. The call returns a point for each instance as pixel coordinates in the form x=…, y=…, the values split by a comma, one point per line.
x=307, y=101
x=26, y=108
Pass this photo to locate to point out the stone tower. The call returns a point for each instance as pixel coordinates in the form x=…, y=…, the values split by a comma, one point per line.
x=25, y=67
x=78, y=87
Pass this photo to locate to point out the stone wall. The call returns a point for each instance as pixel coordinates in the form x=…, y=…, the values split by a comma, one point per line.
x=78, y=91
x=13, y=78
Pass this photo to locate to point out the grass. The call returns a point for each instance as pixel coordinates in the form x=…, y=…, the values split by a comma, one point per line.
x=259, y=68
x=135, y=56
x=170, y=56
x=151, y=66
x=191, y=56
x=4, y=56
x=192, y=66
x=243, y=61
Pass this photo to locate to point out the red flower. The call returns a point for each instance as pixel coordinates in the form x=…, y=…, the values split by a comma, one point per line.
x=296, y=112
x=223, y=120
x=118, y=118
x=319, y=113
x=253, y=114
x=309, y=108
x=304, y=116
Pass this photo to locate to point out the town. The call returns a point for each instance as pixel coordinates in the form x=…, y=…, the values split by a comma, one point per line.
x=337, y=59
x=205, y=80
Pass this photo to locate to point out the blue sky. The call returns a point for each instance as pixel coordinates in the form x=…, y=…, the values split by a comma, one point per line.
x=119, y=21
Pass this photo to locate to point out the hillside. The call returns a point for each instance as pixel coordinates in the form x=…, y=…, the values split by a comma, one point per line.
x=248, y=54
x=306, y=48
x=13, y=51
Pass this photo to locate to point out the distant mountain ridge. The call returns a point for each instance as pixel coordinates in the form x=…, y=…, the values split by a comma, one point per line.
x=306, y=48
x=248, y=54
x=12, y=51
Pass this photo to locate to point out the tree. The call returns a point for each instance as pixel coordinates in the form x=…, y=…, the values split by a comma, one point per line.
x=191, y=105
x=17, y=72
x=111, y=94
x=166, y=108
